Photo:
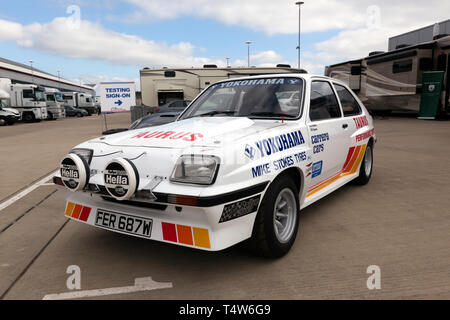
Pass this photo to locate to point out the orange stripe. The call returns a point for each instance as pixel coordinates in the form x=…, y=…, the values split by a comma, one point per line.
x=325, y=185
x=360, y=157
x=185, y=235
x=69, y=208
x=76, y=212
x=355, y=156
x=201, y=238
x=324, y=181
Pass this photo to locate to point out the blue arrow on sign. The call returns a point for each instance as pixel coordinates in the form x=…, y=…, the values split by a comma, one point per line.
x=119, y=103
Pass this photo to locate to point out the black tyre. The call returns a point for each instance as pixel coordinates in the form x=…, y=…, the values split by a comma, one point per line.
x=10, y=121
x=29, y=117
x=50, y=116
x=79, y=115
x=276, y=223
x=365, y=171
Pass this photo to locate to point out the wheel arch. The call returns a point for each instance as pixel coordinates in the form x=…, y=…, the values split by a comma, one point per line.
x=296, y=175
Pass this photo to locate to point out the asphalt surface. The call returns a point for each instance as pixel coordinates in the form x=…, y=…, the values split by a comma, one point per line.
x=400, y=222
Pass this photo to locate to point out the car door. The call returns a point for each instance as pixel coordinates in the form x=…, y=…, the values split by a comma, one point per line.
x=327, y=132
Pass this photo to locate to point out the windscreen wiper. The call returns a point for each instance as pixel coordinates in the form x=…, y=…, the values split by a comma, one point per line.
x=268, y=114
x=213, y=113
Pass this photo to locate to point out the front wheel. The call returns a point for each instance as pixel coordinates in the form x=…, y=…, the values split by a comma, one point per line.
x=276, y=224
x=29, y=117
x=365, y=171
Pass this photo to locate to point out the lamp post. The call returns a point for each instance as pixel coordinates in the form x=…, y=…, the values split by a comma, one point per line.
x=299, y=3
x=248, y=54
x=228, y=59
x=32, y=73
x=59, y=78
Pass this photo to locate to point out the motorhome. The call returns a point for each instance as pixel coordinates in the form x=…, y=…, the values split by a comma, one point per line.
x=392, y=81
x=28, y=99
x=55, y=104
x=80, y=100
x=161, y=86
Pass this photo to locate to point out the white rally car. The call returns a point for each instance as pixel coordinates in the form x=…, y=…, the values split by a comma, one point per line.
x=225, y=172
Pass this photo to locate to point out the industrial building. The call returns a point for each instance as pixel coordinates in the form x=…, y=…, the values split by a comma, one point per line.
x=21, y=73
x=160, y=86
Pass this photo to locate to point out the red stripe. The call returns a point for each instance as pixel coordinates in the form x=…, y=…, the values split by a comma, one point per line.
x=349, y=156
x=85, y=214
x=169, y=232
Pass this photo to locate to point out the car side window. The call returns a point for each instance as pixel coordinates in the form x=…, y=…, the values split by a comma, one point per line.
x=324, y=104
x=349, y=104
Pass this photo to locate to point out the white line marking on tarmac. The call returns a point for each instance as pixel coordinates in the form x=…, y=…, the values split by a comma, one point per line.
x=140, y=284
x=22, y=194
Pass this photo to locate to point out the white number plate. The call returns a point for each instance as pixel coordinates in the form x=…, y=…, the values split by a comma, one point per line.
x=141, y=227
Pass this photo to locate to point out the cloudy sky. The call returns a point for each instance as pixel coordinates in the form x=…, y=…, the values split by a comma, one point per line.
x=105, y=40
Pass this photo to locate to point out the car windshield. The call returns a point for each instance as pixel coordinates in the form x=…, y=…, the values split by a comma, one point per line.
x=252, y=98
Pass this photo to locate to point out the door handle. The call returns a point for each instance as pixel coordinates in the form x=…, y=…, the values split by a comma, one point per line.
x=345, y=126
x=313, y=127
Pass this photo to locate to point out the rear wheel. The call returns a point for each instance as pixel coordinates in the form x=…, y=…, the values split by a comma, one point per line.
x=276, y=223
x=365, y=171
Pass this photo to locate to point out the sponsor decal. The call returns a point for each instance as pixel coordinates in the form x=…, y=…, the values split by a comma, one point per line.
x=365, y=135
x=318, y=148
x=279, y=164
x=431, y=88
x=267, y=147
x=317, y=169
x=253, y=82
x=361, y=122
x=239, y=209
x=320, y=138
x=169, y=135
x=250, y=151
x=261, y=170
x=121, y=178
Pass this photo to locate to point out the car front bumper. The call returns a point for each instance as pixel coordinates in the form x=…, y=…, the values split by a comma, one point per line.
x=212, y=223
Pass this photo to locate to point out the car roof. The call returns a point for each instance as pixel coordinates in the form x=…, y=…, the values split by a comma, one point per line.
x=304, y=76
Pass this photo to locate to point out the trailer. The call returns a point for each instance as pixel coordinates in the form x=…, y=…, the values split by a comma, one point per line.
x=28, y=99
x=55, y=104
x=392, y=81
x=80, y=100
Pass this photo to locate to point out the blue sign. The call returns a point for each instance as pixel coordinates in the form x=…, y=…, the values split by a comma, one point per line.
x=317, y=169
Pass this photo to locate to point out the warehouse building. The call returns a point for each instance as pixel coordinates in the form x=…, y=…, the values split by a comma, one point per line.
x=160, y=86
x=21, y=73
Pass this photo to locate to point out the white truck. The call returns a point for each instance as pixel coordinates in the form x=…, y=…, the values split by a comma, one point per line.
x=7, y=115
x=55, y=104
x=28, y=99
x=80, y=100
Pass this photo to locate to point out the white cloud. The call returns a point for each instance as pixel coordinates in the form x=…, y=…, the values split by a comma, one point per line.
x=281, y=16
x=10, y=30
x=92, y=41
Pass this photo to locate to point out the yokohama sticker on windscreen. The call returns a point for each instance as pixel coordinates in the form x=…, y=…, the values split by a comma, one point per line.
x=141, y=227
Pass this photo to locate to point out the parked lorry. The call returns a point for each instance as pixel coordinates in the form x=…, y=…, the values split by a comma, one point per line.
x=27, y=99
x=80, y=100
x=55, y=104
x=7, y=115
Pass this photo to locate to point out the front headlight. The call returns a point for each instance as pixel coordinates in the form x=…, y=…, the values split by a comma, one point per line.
x=196, y=169
x=86, y=154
